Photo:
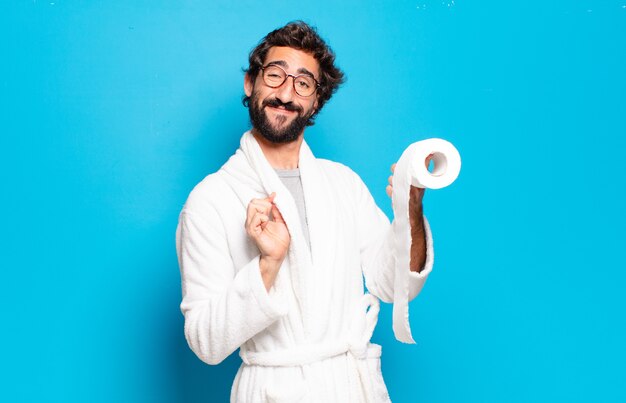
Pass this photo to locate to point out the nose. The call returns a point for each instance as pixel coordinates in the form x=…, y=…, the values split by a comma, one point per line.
x=285, y=93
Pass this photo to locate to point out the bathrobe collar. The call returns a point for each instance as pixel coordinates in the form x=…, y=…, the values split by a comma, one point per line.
x=308, y=270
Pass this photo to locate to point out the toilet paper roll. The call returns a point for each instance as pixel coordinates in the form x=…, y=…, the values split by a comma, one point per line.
x=411, y=170
x=446, y=163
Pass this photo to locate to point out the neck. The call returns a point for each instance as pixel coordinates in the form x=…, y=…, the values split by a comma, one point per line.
x=282, y=155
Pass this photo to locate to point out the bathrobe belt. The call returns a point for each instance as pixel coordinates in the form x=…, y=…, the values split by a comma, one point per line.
x=357, y=346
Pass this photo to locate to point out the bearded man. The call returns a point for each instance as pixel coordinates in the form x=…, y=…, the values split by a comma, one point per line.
x=274, y=246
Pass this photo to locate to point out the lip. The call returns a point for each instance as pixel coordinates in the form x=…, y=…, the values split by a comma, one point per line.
x=280, y=110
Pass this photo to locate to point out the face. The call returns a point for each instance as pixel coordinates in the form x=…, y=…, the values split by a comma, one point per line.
x=280, y=114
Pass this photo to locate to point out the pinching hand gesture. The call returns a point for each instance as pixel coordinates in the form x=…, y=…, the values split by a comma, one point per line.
x=267, y=228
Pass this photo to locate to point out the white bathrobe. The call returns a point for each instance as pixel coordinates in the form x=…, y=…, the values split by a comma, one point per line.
x=307, y=339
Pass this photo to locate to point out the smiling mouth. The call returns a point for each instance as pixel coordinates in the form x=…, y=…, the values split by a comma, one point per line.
x=280, y=109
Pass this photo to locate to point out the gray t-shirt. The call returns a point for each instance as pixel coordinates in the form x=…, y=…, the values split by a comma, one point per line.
x=291, y=180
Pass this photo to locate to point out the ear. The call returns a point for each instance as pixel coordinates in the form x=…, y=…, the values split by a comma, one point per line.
x=248, y=84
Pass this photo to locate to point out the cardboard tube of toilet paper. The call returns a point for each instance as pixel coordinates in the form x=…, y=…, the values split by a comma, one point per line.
x=411, y=170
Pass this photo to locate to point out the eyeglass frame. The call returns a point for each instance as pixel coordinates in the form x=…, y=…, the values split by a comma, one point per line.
x=287, y=75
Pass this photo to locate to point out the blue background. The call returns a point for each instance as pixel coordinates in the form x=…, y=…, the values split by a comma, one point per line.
x=110, y=113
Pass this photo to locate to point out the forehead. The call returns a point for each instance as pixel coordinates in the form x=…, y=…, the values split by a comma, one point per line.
x=293, y=59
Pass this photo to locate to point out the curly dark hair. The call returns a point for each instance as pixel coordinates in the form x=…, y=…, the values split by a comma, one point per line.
x=301, y=36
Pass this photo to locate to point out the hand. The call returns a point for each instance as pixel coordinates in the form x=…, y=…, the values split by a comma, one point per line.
x=271, y=236
x=416, y=193
x=416, y=220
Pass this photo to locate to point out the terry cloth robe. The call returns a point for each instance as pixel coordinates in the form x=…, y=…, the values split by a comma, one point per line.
x=308, y=338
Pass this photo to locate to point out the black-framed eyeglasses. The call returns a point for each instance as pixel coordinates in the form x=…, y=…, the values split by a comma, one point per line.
x=274, y=76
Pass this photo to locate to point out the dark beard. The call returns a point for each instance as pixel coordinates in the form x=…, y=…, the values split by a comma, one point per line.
x=261, y=123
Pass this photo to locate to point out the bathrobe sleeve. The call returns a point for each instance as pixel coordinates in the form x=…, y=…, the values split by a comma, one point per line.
x=223, y=307
x=377, y=248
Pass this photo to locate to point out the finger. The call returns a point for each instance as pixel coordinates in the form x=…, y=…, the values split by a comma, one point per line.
x=389, y=190
x=393, y=167
x=264, y=220
x=390, y=180
x=264, y=203
x=428, y=159
x=250, y=214
x=261, y=205
x=257, y=223
x=277, y=216
x=256, y=219
x=267, y=202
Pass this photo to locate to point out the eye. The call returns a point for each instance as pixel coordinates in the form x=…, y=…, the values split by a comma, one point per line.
x=304, y=84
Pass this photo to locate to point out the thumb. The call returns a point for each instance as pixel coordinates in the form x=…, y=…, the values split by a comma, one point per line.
x=277, y=216
x=428, y=159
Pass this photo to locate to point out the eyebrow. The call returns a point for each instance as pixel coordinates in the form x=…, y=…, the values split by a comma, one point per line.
x=284, y=64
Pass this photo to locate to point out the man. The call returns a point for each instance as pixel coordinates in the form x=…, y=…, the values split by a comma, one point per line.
x=273, y=247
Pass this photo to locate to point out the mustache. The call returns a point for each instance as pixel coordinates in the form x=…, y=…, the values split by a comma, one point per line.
x=290, y=106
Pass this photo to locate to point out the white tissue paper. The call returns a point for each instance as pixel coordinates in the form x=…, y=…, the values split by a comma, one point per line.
x=411, y=170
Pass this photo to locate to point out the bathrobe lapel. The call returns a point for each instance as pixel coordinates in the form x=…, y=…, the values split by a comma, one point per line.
x=298, y=273
x=326, y=227
x=309, y=273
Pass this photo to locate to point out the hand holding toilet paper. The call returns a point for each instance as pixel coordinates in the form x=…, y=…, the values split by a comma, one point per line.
x=411, y=170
